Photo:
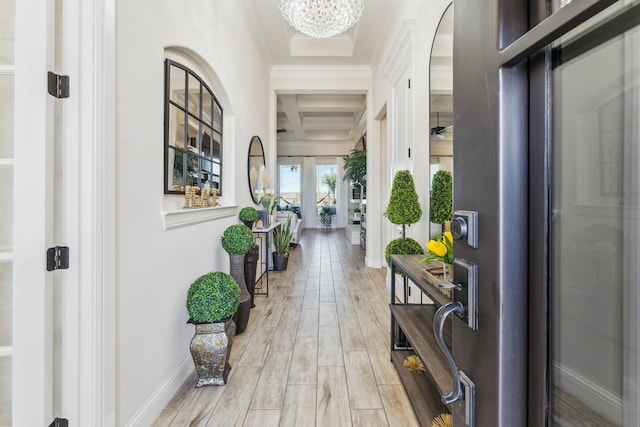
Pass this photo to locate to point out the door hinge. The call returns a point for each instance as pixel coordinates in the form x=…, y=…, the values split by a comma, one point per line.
x=409, y=150
x=409, y=82
x=58, y=85
x=58, y=258
x=60, y=422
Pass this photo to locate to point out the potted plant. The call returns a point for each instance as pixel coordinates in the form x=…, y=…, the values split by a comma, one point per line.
x=356, y=214
x=355, y=166
x=236, y=240
x=248, y=216
x=441, y=203
x=404, y=207
x=281, y=240
x=212, y=300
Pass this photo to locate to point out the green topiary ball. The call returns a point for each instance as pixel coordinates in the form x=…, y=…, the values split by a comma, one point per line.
x=402, y=246
x=237, y=239
x=248, y=214
x=404, y=207
x=213, y=297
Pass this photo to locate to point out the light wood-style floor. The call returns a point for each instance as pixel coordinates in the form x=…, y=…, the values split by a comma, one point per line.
x=315, y=353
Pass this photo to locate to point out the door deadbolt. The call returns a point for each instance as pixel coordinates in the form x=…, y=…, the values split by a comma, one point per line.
x=459, y=228
x=464, y=226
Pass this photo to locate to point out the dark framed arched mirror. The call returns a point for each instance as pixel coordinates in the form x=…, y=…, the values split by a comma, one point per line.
x=441, y=123
x=256, y=167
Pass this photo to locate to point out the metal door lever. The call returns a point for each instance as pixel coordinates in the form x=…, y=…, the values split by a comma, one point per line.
x=438, y=330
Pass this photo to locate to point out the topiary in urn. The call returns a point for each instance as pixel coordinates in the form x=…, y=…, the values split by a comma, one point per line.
x=212, y=300
x=237, y=239
x=404, y=207
x=248, y=216
x=404, y=246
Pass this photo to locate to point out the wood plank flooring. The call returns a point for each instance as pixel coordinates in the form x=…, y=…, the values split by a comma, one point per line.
x=315, y=352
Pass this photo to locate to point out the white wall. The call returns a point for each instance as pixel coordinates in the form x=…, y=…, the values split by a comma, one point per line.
x=420, y=20
x=154, y=266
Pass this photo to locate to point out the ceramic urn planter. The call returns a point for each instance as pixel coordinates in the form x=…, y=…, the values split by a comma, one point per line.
x=210, y=349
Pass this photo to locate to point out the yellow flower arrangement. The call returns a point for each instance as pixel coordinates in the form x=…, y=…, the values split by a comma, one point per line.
x=441, y=249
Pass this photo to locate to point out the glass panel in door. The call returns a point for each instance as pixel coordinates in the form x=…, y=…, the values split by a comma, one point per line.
x=326, y=201
x=290, y=184
x=595, y=235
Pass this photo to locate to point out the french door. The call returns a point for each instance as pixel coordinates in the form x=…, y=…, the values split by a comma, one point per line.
x=547, y=102
x=594, y=222
x=26, y=184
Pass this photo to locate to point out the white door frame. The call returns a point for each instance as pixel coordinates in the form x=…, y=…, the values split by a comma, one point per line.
x=32, y=400
x=89, y=368
x=85, y=190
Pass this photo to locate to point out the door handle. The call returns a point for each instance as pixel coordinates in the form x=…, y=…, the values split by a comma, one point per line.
x=438, y=330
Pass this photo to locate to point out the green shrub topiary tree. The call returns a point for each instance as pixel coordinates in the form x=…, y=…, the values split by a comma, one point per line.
x=441, y=197
x=237, y=239
x=404, y=207
x=402, y=245
x=248, y=214
x=213, y=297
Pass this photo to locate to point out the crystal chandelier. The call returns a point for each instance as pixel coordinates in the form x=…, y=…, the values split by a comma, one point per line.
x=321, y=18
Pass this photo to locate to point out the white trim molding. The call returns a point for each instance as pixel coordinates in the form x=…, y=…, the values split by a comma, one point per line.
x=159, y=399
x=187, y=217
x=400, y=54
x=602, y=401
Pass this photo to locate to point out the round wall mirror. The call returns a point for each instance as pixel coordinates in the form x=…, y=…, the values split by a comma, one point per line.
x=256, y=167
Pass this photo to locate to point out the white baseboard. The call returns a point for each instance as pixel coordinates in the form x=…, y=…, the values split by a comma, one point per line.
x=601, y=400
x=151, y=409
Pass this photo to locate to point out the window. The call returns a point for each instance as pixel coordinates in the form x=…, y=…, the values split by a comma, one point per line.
x=192, y=132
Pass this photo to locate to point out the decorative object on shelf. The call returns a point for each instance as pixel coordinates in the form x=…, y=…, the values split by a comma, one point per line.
x=248, y=216
x=263, y=219
x=413, y=364
x=281, y=240
x=195, y=197
x=236, y=240
x=441, y=206
x=266, y=198
x=442, y=420
x=321, y=19
x=211, y=301
x=441, y=250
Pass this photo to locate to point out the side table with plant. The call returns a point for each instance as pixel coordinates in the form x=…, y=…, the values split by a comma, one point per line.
x=212, y=299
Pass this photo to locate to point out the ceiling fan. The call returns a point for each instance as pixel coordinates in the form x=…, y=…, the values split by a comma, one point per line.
x=440, y=131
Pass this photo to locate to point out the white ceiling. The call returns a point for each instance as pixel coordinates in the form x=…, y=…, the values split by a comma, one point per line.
x=327, y=118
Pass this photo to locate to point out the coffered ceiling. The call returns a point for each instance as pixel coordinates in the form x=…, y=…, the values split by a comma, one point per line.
x=326, y=118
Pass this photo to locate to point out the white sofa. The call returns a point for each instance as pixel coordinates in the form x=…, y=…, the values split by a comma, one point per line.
x=296, y=224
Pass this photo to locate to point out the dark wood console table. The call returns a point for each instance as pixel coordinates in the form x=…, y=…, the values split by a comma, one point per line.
x=412, y=334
